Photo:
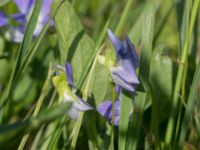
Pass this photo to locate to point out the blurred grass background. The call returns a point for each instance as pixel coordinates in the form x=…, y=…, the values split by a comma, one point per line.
x=160, y=31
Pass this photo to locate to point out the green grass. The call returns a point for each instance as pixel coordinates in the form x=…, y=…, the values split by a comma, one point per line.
x=166, y=107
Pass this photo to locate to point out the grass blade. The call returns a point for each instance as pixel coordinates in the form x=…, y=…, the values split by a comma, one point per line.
x=125, y=109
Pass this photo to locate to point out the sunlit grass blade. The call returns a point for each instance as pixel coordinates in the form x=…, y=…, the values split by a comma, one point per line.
x=147, y=39
x=123, y=17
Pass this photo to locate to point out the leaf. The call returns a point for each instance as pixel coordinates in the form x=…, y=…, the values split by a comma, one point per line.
x=3, y=2
x=125, y=109
x=100, y=85
x=161, y=78
x=147, y=42
x=75, y=45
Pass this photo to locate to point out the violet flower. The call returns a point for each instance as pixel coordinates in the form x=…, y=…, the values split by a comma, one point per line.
x=124, y=74
x=3, y=19
x=69, y=93
x=105, y=108
x=16, y=33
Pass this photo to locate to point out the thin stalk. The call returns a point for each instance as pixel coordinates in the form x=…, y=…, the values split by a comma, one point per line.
x=123, y=17
x=111, y=147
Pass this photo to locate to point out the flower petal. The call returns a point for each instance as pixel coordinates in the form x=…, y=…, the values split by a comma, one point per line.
x=24, y=5
x=132, y=52
x=3, y=20
x=21, y=18
x=77, y=107
x=69, y=74
x=73, y=113
x=43, y=16
x=82, y=105
x=105, y=109
x=15, y=34
x=124, y=78
x=115, y=41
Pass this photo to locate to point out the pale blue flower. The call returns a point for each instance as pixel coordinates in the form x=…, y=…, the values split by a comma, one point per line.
x=78, y=104
x=124, y=73
x=16, y=33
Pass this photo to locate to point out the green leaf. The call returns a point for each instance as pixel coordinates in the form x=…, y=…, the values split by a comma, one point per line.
x=100, y=87
x=75, y=45
x=125, y=109
x=147, y=42
x=3, y=2
x=136, y=121
x=161, y=79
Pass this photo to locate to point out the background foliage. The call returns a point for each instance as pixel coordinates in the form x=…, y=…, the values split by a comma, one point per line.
x=167, y=104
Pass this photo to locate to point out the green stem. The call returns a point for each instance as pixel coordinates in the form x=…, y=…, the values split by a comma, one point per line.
x=123, y=17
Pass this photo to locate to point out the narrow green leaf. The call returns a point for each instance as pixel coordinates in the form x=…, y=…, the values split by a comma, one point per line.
x=136, y=121
x=147, y=41
x=193, y=98
x=125, y=109
x=123, y=17
x=161, y=88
